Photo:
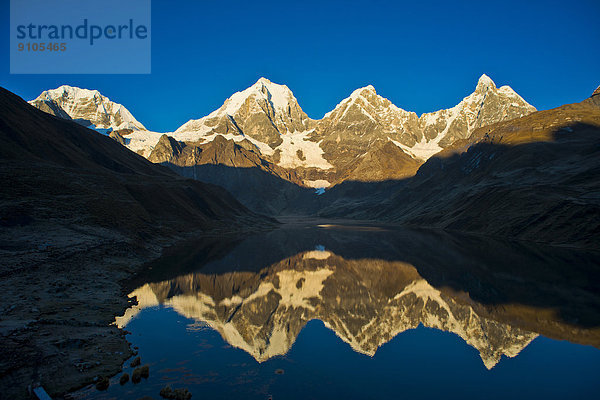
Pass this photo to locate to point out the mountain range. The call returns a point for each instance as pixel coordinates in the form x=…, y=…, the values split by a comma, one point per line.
x=490, y=165
x=266, y=119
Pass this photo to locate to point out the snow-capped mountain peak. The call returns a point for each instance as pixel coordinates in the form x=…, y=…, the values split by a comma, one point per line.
x=263, y=112
x=486, y=105
x=367, y=101
x=69, y=92
x=365, y=89
x=279, y=96
x=485, y=82
x=89, y=107
x=366, y=92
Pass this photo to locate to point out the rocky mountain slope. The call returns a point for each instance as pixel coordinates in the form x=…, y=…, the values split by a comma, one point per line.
x=366, y=120
x=259, y=184
x=533, y=178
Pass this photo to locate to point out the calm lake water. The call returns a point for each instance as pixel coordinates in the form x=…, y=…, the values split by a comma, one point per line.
x=322, y=312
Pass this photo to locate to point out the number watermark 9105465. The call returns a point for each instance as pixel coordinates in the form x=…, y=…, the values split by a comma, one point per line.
x=80, y=37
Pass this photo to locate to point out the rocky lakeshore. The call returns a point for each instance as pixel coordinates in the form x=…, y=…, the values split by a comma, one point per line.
x=60, y=304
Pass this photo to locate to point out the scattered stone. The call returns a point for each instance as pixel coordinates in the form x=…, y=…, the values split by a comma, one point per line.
x=166, y=392
x=177, y=394
x=103, y=383
x=136, y=376
x=139, y=373
x=136, y=362
x=124, y=379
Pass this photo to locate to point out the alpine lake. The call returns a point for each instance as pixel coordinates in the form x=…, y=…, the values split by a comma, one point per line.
x=342, y=311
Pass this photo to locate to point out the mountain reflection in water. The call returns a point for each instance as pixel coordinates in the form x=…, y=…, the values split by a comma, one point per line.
x=370, y=285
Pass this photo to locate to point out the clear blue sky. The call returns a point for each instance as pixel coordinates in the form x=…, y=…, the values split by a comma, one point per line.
x=423, y=56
